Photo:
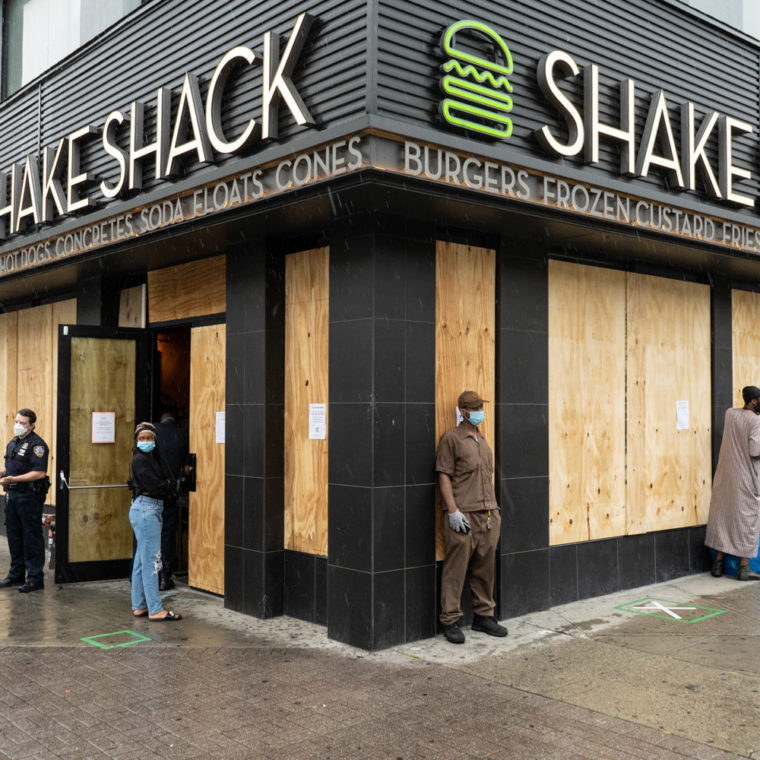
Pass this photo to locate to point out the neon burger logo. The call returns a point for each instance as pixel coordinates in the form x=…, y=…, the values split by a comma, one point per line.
x=478, y=88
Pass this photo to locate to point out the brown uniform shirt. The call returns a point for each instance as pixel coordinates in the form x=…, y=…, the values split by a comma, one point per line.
x=465, y=456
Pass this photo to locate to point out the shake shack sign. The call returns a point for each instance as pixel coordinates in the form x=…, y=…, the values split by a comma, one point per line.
x=688, y=152
x=43, y=188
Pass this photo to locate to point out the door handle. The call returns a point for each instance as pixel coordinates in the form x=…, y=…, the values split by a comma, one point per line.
x=65, y=482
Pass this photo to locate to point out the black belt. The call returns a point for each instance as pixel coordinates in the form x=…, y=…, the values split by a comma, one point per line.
x=20, y=486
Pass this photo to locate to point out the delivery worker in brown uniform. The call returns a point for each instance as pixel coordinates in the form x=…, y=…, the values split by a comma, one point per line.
x=473, y=521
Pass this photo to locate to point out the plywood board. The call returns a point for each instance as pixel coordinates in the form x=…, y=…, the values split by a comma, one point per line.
x=669, y=470
x=464, y=338
x=187, y=290
x=745, y=318
x=99, y=526
x=8, y=372
x=586, y=402
x=35, y=367
x=132, y=306
x=307, y=294
x=206, y=517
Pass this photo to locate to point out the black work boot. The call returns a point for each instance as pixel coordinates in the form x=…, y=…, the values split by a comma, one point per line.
x=454, y=632
x=488, y=625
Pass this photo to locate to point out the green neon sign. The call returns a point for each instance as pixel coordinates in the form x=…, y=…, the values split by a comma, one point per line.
x=478, y=87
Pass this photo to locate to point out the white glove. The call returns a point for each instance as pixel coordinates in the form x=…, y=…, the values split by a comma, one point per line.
x=458, y=522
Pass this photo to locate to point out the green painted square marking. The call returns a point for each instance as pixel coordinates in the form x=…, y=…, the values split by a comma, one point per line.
x=681, y=612
x=136, y=639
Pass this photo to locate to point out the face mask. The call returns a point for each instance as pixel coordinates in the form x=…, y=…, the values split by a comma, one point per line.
x=146, y=446
x=19, y=429
x=476, y=417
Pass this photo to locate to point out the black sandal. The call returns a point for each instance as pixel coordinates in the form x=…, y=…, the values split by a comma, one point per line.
x=140, y=614
x=170, y=616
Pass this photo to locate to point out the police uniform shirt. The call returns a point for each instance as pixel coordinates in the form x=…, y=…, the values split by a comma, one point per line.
x=26, y=454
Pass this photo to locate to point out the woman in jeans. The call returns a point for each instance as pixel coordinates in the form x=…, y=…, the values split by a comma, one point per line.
x=151, y=482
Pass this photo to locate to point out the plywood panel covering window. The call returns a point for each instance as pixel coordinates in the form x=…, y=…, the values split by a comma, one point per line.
x=624, y=348
x=669, y=470
x=745, y=319
x=307, y=295
x=188, y=290
x=29, y=369
x=586, y=402
x=207, y=398
x=465, y=343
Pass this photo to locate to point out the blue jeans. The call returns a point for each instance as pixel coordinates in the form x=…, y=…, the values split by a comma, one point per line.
x=145, y=518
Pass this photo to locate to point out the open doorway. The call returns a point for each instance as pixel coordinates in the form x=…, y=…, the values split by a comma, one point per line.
x=171, y=393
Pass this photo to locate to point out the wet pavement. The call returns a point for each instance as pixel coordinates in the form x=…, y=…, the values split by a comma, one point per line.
x=665, y=671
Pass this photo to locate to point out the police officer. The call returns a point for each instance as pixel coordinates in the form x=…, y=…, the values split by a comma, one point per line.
x=26, y=461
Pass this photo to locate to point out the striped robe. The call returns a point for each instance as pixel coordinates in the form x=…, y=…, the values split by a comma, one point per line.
x=733, y=526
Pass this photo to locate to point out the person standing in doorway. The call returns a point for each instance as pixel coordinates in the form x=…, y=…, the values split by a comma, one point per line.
x=733, y=525
x=172, y=441
x=465, y=470
x=150, y=481
x=26, y=461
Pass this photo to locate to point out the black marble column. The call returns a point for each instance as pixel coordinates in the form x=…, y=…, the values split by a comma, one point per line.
x=522, y=433
x=254, y=555
x=97, y=301
x=381, y=533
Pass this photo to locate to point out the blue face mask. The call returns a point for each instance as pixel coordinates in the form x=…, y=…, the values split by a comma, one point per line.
x=146, y=446
x=477, y=417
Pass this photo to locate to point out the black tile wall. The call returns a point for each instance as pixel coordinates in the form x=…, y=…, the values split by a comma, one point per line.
x=388, y=528
x=420, y=362
x=420, y=443
x=253, y=520
x=523, y=440
x=234, y=435
x=699, y=555
x=523, y=583
x=254, y=424
x=419, y=526
x=597, y=568
x=421, y=603
x=563, y=574
x=382, y=435
x=388, y=443
x=636, y=559
x=351, y=360
x=300, y=585
x=389, y=607
x=320, y=586
x=390, y=360
x=671, y=554
x=349, y=606
x=349, y=527
x=524, y=514
x=234, y=510
x=233, y=578
x=523, y=367
x=350, y=451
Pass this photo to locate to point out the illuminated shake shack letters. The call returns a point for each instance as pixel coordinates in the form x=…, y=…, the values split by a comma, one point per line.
x=657, y=145
x=193, y=134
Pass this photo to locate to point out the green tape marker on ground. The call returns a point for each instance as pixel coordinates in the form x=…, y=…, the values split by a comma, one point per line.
x=680, y=612
x=136, y=638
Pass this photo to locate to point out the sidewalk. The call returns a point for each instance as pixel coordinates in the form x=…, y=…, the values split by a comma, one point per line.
x=585, y=680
